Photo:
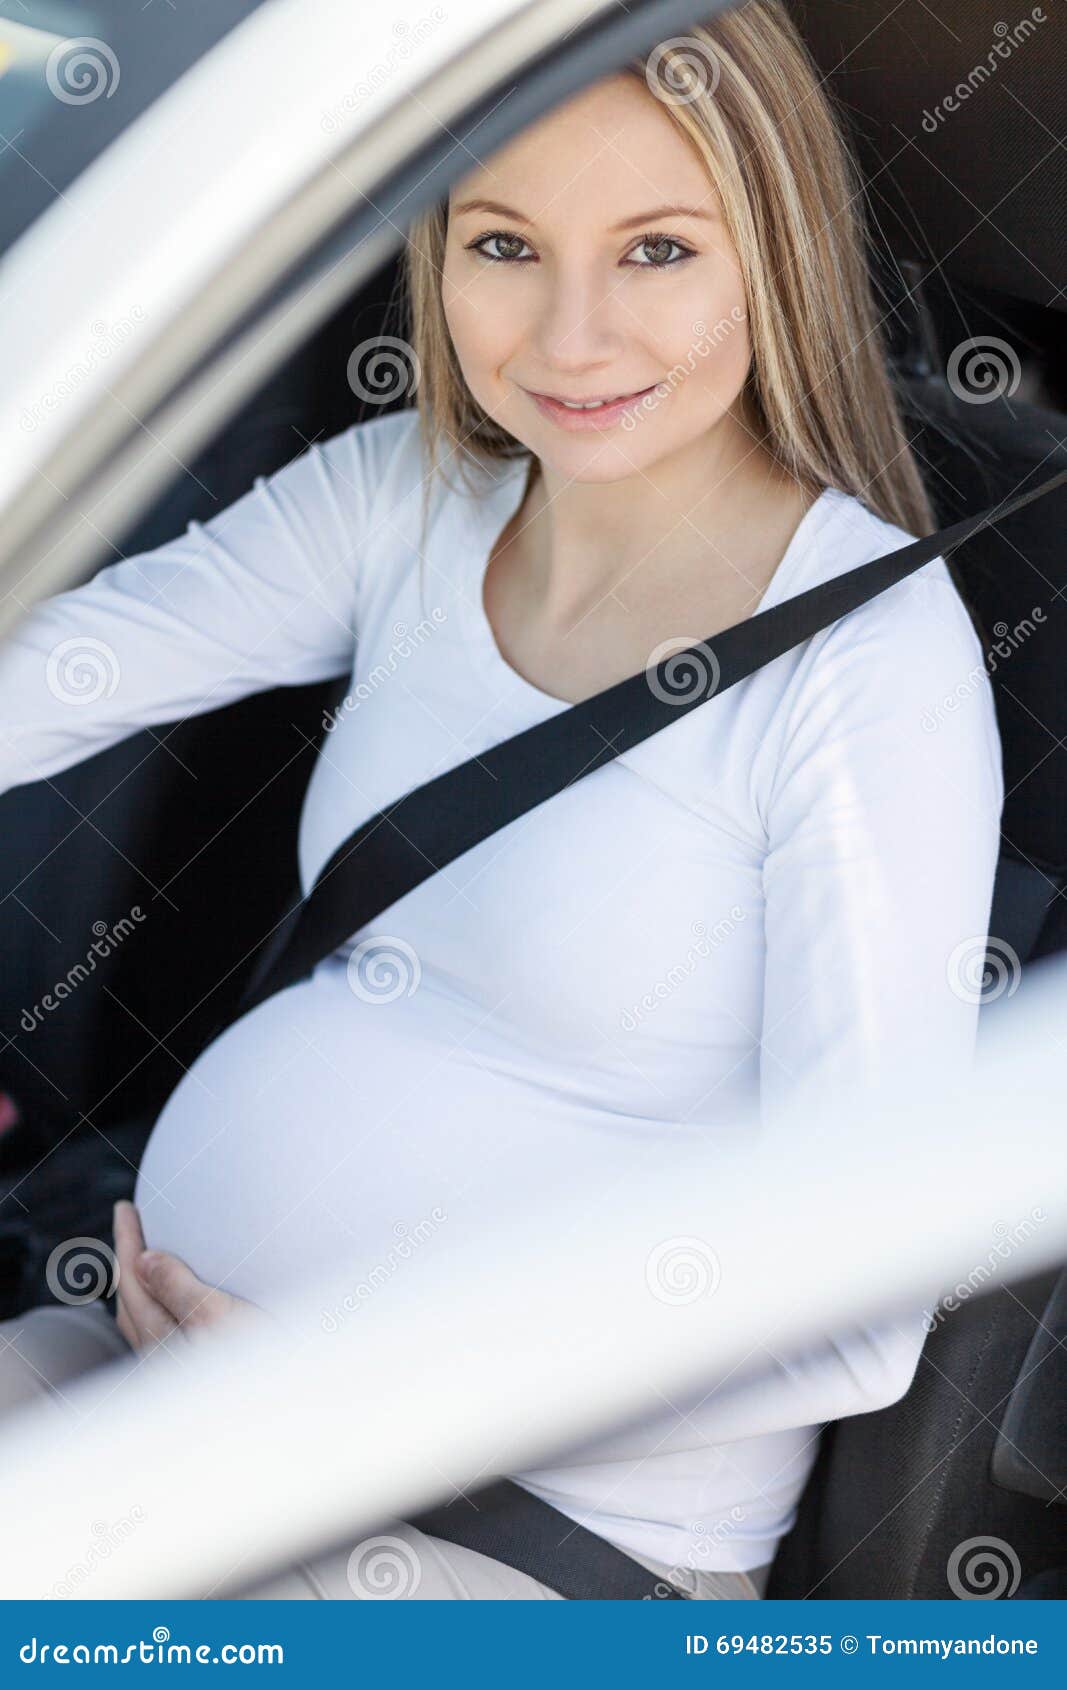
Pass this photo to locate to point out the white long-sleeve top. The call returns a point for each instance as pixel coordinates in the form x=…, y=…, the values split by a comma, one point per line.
x=775, y=893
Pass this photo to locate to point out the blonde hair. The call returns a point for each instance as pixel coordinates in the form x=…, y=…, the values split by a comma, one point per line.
x=818, y=386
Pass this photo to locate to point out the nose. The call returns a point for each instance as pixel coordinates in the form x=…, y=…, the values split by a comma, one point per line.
x=580, y=325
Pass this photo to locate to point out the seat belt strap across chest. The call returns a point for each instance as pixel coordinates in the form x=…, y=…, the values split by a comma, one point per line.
x=402, y=845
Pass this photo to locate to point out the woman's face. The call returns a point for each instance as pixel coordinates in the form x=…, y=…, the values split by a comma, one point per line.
x=591, y=289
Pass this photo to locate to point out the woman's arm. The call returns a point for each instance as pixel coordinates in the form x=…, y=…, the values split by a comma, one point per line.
x=260, y=595
x=883, y=834
x=883, y=825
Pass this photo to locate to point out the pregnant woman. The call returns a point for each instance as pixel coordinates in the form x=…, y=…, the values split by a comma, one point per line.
x=653, y=401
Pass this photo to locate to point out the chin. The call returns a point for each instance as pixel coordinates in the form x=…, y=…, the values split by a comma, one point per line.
x=605, y=461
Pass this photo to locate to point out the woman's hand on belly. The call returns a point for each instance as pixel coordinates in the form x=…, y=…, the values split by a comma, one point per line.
x=159, y=1294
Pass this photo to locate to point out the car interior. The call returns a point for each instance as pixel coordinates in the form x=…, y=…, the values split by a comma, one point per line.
x=196, y=821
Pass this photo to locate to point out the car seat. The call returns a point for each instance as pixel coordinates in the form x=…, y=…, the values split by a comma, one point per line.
x=894, y=1494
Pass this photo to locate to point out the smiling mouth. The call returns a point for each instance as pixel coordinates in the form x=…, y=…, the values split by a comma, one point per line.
x=589, y=404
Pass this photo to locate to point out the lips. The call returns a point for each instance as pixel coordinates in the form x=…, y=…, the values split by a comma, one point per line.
x=593, y=399
x=603, y=415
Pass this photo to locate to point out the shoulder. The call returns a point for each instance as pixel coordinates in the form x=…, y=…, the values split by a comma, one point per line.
x=847, y=534
x=901, y=681
x=919, y=629
x=387, y=458
x=381, y=455
x=343, y=483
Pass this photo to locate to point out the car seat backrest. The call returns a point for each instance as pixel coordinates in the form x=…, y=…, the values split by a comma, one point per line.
x=896, y=1497
x=895, y=1494
x=954, y=112
x=1015, y=578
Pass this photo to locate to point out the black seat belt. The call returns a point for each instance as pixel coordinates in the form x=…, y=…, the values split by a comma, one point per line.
x=399, y=847
x=509, y=1524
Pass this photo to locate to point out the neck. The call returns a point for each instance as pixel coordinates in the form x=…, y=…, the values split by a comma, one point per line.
x=584, y=540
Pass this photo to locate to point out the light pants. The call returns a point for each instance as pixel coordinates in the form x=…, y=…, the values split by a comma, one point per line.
x=48, y=1346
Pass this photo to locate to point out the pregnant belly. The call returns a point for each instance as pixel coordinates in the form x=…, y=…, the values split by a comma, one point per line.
x=324, y=1131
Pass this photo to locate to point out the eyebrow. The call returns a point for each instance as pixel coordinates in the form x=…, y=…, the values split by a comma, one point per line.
x=645, y=217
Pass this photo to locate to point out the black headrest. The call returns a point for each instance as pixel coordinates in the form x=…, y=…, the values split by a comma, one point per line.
x=955, y=110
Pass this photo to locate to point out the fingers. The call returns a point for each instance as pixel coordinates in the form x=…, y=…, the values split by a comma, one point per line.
x=158, y=1292
x=127, y=1224
x=173, y=1283
x=141, y=1318
x=125, y=1324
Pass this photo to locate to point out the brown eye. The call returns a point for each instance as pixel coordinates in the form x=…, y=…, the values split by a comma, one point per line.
x=511, y=242
x=656, y=249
